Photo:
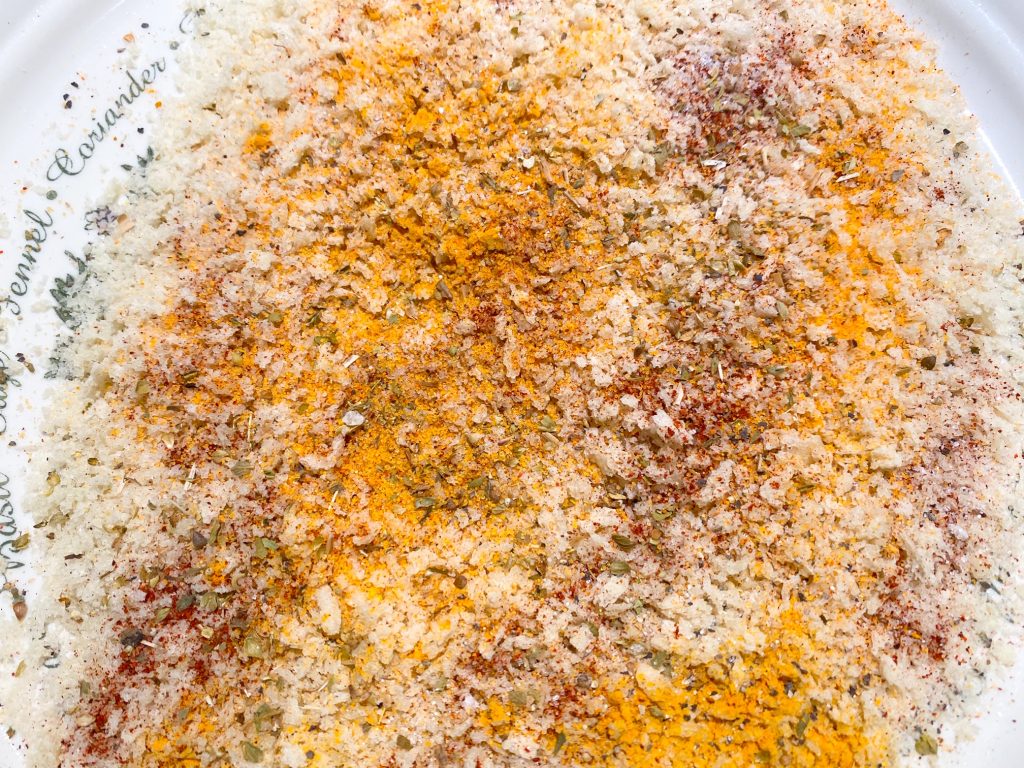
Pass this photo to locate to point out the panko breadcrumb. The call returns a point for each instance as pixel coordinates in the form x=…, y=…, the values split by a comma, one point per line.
x=491, y=383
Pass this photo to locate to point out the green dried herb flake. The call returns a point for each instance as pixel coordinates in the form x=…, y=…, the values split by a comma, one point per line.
x=559, y=743
x=241, y=468
x=618, y=568
x=547, y=424
x=801, y=726
x=184, y=602
x=623, y=542
x=926, y=745
x=251, y=753
x=267, y=718
x=254, y=647
x=263, y=547
x=519, y=698
x=211, y=601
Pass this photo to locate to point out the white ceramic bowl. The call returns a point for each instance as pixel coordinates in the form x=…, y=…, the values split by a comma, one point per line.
x=90, y=52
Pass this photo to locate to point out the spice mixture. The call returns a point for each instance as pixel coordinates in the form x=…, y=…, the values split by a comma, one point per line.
x=524, y=382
